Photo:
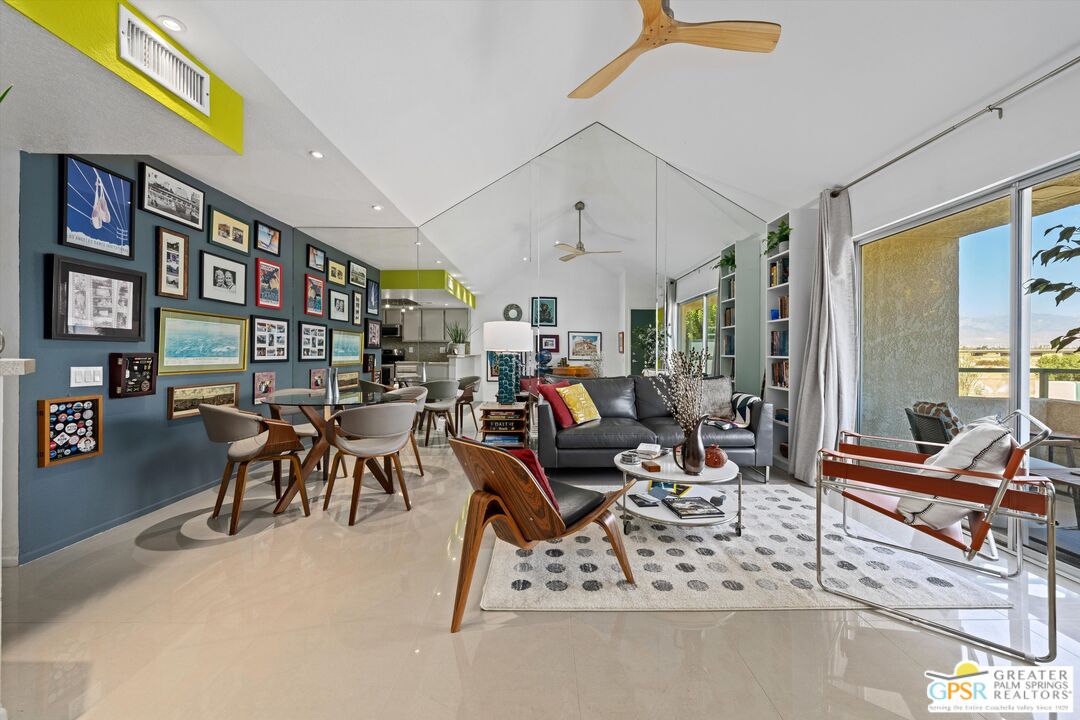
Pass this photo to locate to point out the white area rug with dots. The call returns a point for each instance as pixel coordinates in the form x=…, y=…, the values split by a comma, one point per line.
x=771, y=567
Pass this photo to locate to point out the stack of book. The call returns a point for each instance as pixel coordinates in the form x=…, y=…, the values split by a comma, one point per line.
x=729, y=316
x=778, y=272
x=779, y=373
x=783, y=306
x=727, y=344
x=778, y=343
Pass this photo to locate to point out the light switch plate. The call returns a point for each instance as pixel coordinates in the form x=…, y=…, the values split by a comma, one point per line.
x=86, y=376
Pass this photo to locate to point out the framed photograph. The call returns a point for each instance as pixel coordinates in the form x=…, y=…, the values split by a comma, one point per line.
x=172, y=264
x=269, y=339
x=493, y=363
x=357, y=274
x=346, y=347
x=69, y=428
x=316, y=258
x=335, y=272
x=622, y=346
x=374, y=297
x=263, y=385
x=317, y=378
x=339, y=306
x=269, y=284
x=358, y=308
x=373, y=333
x=228, y=232
x=349, y=381
x=164, y=195
x=547, y=342
x=545, y=312
x=97, y=209
x=313, y=295
x=196, y=342
x=88, y=301
x=582, y=345
x=223, y=279
x=184, y=401
x=312, y=341
x=369, y=363
x=267, y=238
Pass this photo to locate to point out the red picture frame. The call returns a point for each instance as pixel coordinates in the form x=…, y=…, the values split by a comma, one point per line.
x=264, y=299
x=314, y=305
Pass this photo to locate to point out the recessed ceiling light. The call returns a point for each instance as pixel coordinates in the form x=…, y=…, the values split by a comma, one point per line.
x=170, y=23
x=524, y=259
x=376, y=207
x=315, y=154
x=438, y=262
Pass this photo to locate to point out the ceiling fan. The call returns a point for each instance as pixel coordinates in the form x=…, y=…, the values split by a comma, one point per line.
x=659, y=27
x=579, y=250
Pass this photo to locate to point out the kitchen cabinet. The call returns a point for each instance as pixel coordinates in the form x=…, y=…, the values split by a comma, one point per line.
x=410, y=326
x=432, y=326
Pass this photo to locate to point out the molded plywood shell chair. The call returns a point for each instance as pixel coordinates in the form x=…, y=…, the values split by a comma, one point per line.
x=507, y=496
x=367, y=433
x=441, y=400
x=418, y=396
x=251, y=438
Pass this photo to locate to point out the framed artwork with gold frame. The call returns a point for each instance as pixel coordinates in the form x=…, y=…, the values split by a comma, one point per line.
x=196, y=342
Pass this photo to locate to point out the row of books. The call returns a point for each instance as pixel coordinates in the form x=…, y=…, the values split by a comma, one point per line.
x=730, y=288
x=727, y=344
x=502, y=415
x=783, y=305
x=781, y=414
x=778, y=342
x=490, y=439
x=779, y=372
x=778, y=272
x=729, y=316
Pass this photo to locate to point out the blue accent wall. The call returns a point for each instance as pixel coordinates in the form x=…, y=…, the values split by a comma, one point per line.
x=148, y=461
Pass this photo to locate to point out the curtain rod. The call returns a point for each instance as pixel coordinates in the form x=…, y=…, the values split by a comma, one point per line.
x=994, y=107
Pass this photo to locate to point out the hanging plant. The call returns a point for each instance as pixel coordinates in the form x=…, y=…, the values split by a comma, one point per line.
x=1066, y=249
x=781, y=234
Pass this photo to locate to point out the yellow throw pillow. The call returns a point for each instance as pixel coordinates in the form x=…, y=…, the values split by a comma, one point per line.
x=579, y=403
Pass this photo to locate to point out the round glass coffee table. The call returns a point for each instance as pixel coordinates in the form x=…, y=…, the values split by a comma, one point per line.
x=702, y=485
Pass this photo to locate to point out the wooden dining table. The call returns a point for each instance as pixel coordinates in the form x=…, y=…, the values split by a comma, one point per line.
x=315, y=404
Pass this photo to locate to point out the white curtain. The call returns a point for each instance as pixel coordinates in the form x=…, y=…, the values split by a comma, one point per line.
x=827, y=383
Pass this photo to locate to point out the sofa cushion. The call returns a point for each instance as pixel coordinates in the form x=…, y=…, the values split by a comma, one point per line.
x=580, y=404
x=574, y=502
x=559, y=411
x=613, y=396
x=648, y=401
x=669, y=434
x=614, y=433
x=716, y=397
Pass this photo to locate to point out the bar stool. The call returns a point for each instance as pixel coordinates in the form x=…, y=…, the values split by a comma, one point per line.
x=467, y=385
x=417, y=395
x=251, y=438
x=442, y=397
x=368, y=433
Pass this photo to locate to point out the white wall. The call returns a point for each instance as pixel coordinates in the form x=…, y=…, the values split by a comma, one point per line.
x=9, y=325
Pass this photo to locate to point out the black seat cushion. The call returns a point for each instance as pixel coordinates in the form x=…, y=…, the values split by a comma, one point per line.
x=607, y=432
x=669, y=434
x=648, y=400
x=574, y=502
x=612, y=396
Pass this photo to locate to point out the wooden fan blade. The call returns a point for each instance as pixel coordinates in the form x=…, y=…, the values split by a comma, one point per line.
x=567, y=258
x=566, y=248
x=745, y=35
x=605, y=75
x=600, y=252
x=652, y=9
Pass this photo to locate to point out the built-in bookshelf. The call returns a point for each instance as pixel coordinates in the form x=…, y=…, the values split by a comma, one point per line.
x=787, y=277
x=726, y=318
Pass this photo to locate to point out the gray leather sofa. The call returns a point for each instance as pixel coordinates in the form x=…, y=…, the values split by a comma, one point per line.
x=632, y=412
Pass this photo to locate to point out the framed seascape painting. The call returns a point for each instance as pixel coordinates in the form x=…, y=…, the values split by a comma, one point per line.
x=339, y=306
x=223, y=279
x=583, y=345
x=335, y=272
x=172, y=264
x=184, y=400
x=196, y=342
x=545, y=312
x=164, y=195
x=374, y=297
x=316, y=258
x=97, y=209
x=263, y=385
x=357, y=274
x=267, y=238
x=228, y=232
x=317, y=378
x=312, y=341
x=373, y=333
x=269, y=339
x=346, y=347
x=313, y=295
x=269, y=284
x=88, y=301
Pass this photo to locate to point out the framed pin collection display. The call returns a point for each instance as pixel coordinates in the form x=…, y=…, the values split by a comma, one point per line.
x=132, y=374
x=69, y=428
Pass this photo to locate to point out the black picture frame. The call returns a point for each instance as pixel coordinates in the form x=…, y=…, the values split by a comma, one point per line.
x=254, y=344
x=300, y=342
x=70, y=205
x=534, y=311
x=369, y=362
x=242, y=268
x=145, y=186
x=373, y=333
x=58, y=315
x=259, y=227
x=373, y=297
x=313, y=258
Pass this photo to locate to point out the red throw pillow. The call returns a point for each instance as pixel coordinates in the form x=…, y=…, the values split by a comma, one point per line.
x=530, y=385
x=528, y=459
x=563, y=418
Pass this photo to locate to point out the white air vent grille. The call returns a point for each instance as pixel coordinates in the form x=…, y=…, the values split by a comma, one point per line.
x=155, y=57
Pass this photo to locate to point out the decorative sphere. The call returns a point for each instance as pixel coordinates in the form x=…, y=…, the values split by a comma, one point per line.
x=543, y=357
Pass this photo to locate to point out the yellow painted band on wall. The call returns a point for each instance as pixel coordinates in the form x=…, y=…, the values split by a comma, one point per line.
x=93, y=28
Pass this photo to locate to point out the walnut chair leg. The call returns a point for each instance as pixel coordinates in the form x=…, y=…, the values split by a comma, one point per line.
x=396, y=457
x=296, y=475
x=277, y=479
x=238, y=497
x=611, y=528
x=470, y=549
x=427, y=434
x=358, y=479
x=330, y=482
x=221, y=490
x=451, y=430
x=416, y=452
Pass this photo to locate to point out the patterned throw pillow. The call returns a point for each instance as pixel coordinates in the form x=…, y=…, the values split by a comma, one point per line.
x=741, y=405
x=716, y=397
x=580, y=403
x=953, y=424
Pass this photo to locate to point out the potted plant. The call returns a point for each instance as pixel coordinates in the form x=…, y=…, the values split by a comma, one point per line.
x=727, y=262
x=458, y=335
x=777, y=240
x=681, y=388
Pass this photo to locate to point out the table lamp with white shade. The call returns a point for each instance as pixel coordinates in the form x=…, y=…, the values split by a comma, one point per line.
x=506, y=338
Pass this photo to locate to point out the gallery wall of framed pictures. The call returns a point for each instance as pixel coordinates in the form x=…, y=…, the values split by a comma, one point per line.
x=137, y=257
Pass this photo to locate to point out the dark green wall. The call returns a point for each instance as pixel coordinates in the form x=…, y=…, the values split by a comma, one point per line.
x=148, y=461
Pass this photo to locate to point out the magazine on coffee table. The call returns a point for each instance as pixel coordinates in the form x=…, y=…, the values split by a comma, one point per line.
x=692, y=507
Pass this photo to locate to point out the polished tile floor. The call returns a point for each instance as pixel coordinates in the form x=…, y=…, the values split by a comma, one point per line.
x=168, y=617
